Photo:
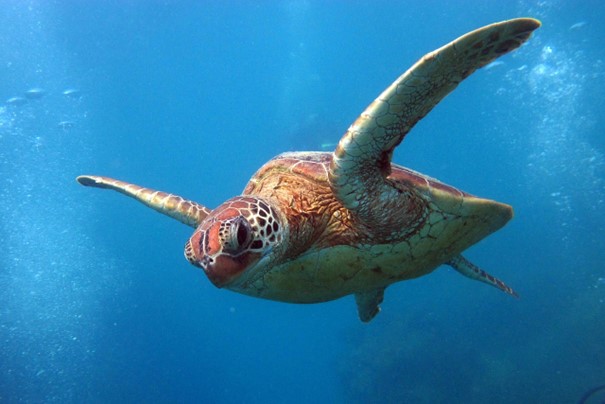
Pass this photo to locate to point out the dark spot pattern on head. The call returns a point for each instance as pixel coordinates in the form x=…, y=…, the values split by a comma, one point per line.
x=243, y=230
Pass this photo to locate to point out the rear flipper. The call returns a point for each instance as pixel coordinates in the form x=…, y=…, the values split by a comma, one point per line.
x=467, y=268
x=368, y=303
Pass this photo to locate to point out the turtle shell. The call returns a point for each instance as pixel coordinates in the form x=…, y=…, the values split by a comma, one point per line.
x=333, y=254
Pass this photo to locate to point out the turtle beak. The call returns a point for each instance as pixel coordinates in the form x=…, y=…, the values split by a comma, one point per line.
x=220, y=267
x=224, y=270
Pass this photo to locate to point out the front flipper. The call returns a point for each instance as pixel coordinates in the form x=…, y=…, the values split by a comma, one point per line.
x=467, y=268
x=362, y=161
x=368, y=303
x=183, y=210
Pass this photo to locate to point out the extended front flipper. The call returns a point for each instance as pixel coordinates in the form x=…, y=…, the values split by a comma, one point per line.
x=183, y=210
x=361, y=163
x=467, y=268
x=368, y=303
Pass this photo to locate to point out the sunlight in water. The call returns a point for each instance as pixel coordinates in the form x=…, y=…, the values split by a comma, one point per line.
x=562, y=162
x=561, y=147
x=48, y=288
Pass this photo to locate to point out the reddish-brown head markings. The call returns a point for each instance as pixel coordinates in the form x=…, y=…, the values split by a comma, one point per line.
x=233, y=237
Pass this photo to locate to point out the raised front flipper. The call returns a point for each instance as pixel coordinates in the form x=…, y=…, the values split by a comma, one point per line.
x=183, y=210
x=362, y=161
x=467, y=268
x=368, y=303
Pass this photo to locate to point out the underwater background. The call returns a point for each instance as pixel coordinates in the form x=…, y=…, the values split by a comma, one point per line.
x=97, y=303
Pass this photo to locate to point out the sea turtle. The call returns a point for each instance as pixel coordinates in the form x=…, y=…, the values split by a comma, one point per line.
x=315, y=226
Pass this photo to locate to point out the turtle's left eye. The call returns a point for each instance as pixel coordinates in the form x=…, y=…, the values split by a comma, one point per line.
x=238, y=235
x=243, y=233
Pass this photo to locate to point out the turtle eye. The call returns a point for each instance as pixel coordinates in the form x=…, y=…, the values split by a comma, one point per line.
x=238, y=235
x=243, y=234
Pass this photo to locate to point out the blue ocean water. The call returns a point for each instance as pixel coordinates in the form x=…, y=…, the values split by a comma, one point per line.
x=97, y=303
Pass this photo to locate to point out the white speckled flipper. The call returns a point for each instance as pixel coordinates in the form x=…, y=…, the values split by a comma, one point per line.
x=362, y=161
x=183, y=210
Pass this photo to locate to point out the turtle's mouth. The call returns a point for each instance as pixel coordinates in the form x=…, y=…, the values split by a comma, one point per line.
x=224, y=269
x=253, y=275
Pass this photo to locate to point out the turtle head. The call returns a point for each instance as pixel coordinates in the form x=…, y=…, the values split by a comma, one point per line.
x=233, y=238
